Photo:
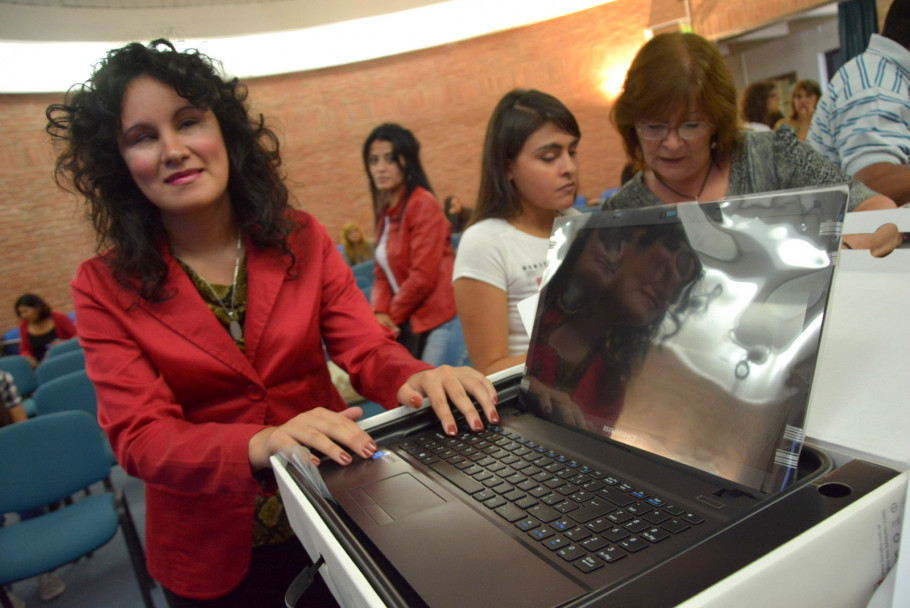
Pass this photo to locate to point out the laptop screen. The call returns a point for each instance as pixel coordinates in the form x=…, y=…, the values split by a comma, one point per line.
x=689, y=331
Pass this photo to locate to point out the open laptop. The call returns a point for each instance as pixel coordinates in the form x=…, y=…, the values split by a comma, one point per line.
x=661, y=407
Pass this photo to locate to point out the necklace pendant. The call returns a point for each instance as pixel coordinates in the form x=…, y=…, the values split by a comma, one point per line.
x=236, y=331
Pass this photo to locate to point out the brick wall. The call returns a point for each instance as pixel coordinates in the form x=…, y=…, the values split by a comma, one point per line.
x=445, y=95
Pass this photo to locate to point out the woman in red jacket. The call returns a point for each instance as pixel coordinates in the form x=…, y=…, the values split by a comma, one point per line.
x=412, y=294
x=204, y=316
x=40, y=327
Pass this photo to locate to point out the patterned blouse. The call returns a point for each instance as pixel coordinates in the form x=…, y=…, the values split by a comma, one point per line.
x=270, y=522
x=761, y=162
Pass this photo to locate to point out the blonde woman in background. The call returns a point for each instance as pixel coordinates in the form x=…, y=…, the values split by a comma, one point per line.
x=355, y=247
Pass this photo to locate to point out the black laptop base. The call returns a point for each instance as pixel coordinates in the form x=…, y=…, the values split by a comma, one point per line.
x=667, y=581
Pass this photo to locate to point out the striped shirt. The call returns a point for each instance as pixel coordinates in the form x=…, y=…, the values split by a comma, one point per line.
x=864, y=116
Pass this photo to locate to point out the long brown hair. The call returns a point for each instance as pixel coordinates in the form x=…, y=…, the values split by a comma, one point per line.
x=516, y=117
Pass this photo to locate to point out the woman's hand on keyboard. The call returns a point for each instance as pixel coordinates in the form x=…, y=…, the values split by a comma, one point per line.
x=456, y=385
x=320, y=429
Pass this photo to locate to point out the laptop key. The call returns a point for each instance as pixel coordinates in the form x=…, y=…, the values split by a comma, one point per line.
x=614, y=534
x=675, y=526
x=594, y=543
x=611, y=554
x=571, y=553
x=555, y=543
x=528, y=523
x=527, y=502
x=578, y=534
x=655, y=535
x=633, y=544
x=544, y=513
x=692, y=518
x=591, y=510
x=541, y=533
x=510, y=512
x=465, y=483
x=637, y=525
x=588, y=564
x=495, y=502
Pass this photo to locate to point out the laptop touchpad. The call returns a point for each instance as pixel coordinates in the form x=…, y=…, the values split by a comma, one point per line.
x=394, y=498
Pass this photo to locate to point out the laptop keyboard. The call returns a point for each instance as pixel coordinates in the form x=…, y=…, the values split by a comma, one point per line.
x=586, y=517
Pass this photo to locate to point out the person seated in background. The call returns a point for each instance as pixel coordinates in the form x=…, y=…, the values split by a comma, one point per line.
x=50, y=585
x=458, y=214
x=40, y=327
x=677, y=119
x=760, y=106
x=206, y=316
x=862, y=123
x=355, y=247
x=11, y=409
x=412, y=293
x=529, y=177
x=803, y=100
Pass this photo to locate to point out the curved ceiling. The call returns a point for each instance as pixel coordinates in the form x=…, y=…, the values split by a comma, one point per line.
x=47, y=45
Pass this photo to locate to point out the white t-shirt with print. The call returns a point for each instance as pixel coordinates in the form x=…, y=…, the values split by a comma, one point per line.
x=495, y=252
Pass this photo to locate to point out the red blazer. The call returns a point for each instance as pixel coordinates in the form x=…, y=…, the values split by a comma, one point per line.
x=62, y=325
x=419, y=248
x=180, y=401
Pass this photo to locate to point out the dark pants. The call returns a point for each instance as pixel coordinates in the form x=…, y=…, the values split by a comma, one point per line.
x=272, y=569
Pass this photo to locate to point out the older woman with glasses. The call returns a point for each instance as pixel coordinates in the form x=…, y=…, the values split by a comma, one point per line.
x=677, y=116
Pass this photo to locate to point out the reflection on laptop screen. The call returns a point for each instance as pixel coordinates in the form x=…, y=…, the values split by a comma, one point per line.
x=689, y=331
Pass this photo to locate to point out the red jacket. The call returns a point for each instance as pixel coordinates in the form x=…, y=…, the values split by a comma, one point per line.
x=419, y=248
x=180, y=401
x=62, y=325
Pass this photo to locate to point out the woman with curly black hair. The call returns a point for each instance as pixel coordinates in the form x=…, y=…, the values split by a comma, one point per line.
x=204, y=316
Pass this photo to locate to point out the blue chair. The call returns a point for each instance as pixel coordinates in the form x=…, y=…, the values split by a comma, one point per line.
x=363, y=274
x=57, y=366
x=457, y=354
x=45, y=460
x=61, y=348
x=73, y=391
x=11, y=341
x=24, y=376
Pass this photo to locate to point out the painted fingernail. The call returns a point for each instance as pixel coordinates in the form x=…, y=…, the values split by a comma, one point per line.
x=372, y=445
x=494, y=418
x=495, y=399
x=451, y=430
x=477, y=425
x=416, y=401
x=344, y=458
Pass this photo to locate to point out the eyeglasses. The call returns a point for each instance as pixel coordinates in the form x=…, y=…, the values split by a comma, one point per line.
x=658, y=131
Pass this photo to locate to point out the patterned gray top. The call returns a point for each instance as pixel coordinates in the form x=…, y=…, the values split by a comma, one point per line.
x=761, y=162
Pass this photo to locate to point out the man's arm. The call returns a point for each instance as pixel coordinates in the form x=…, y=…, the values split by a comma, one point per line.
x=889, y=179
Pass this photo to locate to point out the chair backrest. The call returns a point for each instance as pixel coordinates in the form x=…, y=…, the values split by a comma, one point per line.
x=62, y=364
x=67, y=346
x=72, y=391
x=22, y=371
x=457, y=350
x=48, y=458
x=363, y=274
x=11, y=341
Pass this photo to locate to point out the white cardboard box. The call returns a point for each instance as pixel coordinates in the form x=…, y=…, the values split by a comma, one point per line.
x=860, y=408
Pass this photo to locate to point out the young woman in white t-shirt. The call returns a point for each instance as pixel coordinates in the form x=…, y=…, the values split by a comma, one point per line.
x=529, y=177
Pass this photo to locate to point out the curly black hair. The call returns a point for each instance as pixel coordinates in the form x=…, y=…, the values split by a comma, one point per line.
x=85, y=129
